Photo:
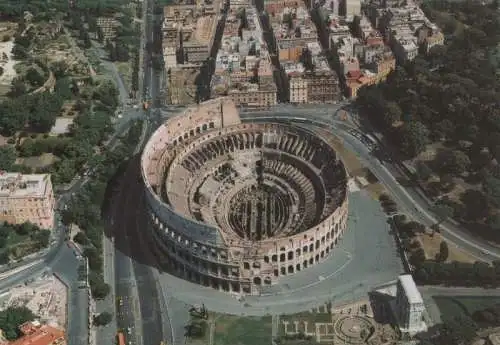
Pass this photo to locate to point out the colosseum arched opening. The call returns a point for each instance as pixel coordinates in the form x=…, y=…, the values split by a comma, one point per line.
x=236, y=206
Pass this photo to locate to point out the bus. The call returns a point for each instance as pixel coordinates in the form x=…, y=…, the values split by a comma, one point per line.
x=121, y=338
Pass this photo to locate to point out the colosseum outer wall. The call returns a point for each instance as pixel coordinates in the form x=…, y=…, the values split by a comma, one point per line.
x=197, y=250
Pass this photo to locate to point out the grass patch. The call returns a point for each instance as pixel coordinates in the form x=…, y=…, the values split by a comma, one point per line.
x=14, y=239
x=431, y=244
x=125, y=70
x=451, y=307
x=239, y=330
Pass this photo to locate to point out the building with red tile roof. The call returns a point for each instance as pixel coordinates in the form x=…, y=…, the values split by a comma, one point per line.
x=36, y=334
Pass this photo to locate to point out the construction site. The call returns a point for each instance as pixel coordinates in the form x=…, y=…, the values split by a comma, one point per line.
x=46, y=297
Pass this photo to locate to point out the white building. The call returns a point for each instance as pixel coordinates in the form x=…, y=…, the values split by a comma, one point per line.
x=352, y=8
x=409, y=306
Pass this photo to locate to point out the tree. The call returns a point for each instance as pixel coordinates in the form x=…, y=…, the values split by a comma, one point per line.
x=443, y=129
x=443, y=252
x=41, y=237
x=34, y=77
x=442, y=212
x=95, y=260
x=459, y=330
x=19, y=52
x=491, y=187
x=476, y=205
x=98, y=287
x=423, y=172
x=103, y=319
x=80, y=238
x=122, y=52
x=7, y=157
x=11, y=318
x=414, y=137
x=18, y=88
x=107, y=93
x=393, y=113
x=452, y=162
x=493, y=221
x=417, y=258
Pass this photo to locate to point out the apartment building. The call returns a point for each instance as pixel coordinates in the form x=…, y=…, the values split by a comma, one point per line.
x=405, y=28
x=36, y=334
x=337, y=28
x=190, y=29
x=376, y=72
x=316, y=83
x=314, y=87
x=293, y=29
x=27, y=198
x=274, y=7
x=428, y=36
x=243, y=68
x=364, y=59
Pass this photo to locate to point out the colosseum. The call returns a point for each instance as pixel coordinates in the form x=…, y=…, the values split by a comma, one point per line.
x=235, y=206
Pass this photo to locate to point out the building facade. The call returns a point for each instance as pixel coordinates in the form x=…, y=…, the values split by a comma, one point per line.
x=314, y=87
x=409, y=306
x=27, y=198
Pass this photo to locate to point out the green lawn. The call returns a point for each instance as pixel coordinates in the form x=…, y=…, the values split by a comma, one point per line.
x=240, y=330
x=15, y=239
x=451, y=307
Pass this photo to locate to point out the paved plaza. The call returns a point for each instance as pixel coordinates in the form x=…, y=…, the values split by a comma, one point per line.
x=365, y=258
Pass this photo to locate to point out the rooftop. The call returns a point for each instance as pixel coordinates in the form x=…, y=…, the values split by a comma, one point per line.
x=18, y=185
x=36, y=334
x=410, y=289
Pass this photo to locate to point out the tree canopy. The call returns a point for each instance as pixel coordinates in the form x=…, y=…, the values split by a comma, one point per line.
x=444, y=105
x=11, y=318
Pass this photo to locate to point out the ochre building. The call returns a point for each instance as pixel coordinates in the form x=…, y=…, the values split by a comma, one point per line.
x=27, y=198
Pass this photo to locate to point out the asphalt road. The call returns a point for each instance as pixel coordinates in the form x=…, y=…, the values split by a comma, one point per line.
x=139, y=311
x=409, y=199
x=78, y=298
x=135, y=282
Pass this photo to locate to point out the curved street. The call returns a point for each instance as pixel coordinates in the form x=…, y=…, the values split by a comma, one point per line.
x=409, y=200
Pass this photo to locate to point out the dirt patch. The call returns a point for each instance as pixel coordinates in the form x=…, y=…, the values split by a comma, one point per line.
x=42, y=161
x=431, y=244
x=376, y=190
x=350, y=160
